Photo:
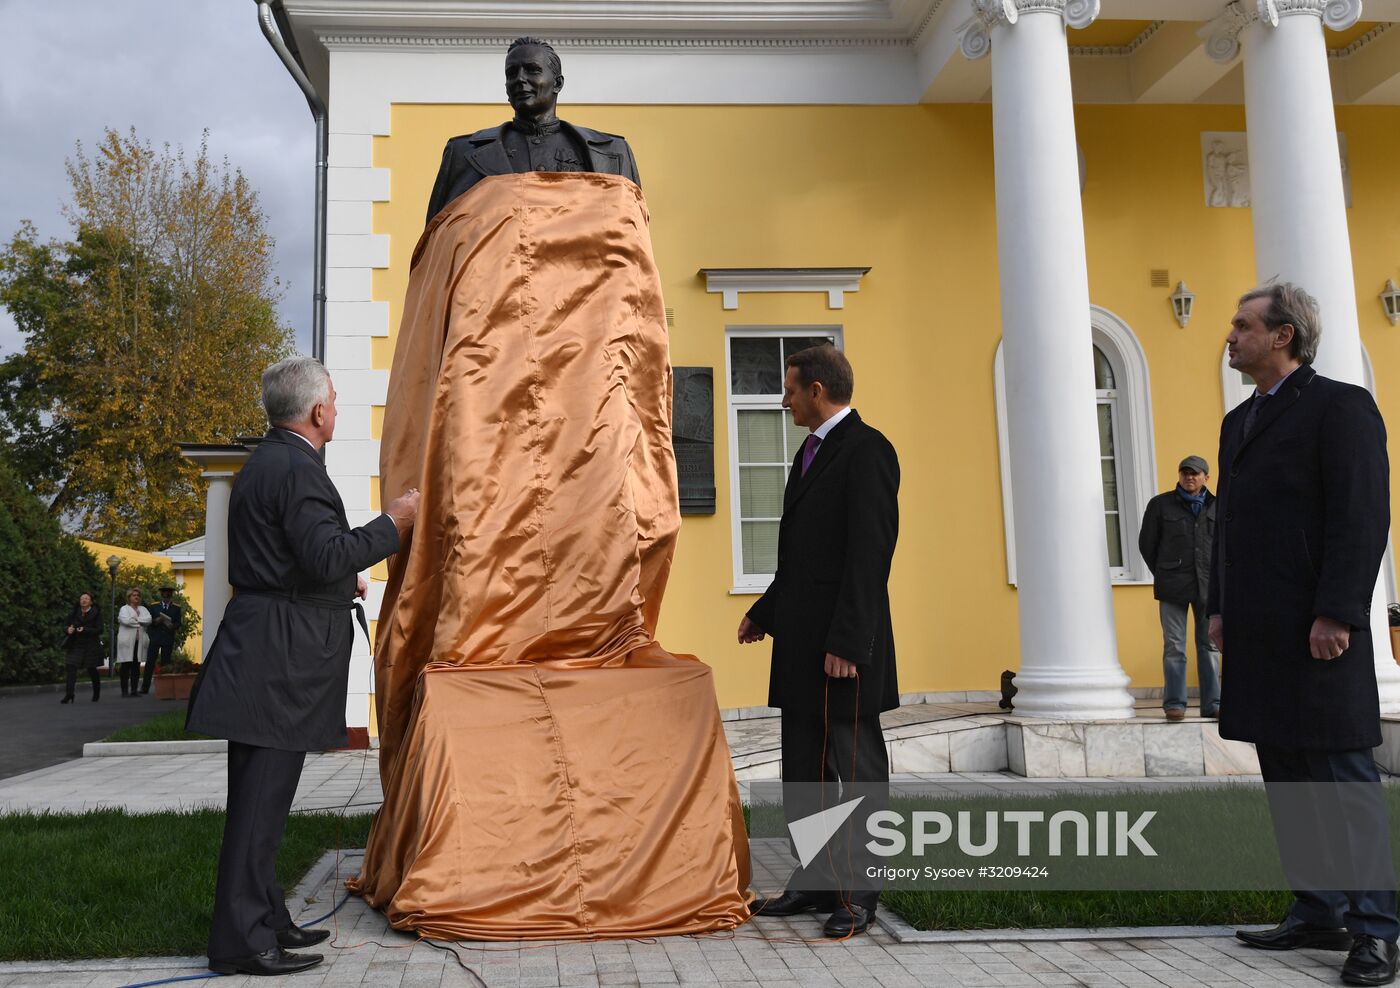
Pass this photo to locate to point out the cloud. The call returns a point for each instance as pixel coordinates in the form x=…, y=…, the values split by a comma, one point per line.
x=69, y=69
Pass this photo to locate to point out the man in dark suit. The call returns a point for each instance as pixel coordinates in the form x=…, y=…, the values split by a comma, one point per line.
x=165, y=622
x=536, y=140
x=1177, y=531
x=1302, y=517
x=274, y=682
x=828, y=610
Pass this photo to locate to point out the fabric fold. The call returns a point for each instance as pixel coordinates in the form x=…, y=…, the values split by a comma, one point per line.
x=549, y=770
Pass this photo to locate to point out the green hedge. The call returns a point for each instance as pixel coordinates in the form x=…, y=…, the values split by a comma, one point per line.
x=44, y=570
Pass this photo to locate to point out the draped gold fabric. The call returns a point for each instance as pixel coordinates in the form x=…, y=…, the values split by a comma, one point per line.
x=549, y=770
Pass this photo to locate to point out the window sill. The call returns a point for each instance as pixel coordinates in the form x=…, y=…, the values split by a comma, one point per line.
x=747, y=591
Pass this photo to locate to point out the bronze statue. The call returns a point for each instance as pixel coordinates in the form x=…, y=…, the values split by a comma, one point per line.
x=536, y=140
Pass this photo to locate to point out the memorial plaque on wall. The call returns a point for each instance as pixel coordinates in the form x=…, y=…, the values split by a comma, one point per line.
x=693, y=436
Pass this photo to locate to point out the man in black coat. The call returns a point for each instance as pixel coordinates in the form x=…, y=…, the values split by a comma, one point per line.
x=274, y=682
x=165, y=622
x=828, y=610
x=536, y=140
x=1302, y=517
x=1178, y=529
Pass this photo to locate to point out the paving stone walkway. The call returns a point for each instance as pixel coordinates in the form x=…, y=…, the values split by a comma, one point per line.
x=770, y=952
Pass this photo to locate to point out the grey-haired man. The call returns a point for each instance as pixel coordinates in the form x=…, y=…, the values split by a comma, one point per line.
x=274, y=683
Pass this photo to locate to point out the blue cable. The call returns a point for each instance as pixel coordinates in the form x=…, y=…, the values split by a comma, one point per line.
x=183, y=977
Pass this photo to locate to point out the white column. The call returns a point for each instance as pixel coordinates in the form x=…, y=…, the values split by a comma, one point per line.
x=1069, y=654
x=1298, y=202
x=216, y=589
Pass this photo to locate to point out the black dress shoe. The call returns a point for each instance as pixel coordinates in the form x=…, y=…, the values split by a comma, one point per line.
x=67, y=699
x=790, y=903
x=269, y=962
x=848, y=920
x=295, y=938
x=1293, y=934
x=1371, y=961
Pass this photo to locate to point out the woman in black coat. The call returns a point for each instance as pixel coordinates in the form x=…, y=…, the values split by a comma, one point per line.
x=83, y=646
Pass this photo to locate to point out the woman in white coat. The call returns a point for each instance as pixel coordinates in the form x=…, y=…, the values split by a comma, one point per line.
x=132, y=641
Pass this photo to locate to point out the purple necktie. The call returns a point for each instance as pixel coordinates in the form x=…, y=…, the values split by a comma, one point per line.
x=809, y=451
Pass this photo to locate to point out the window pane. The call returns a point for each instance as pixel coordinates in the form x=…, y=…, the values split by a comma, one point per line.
x=1115, y=540
x=1105, y=429
x=761, y=436
x=1248, y=381
x=1110, y=485
x=760, y=547
x=755, y=366
x=796, y=436
x=761, y=491
x=791, y=344
x=1103, y=371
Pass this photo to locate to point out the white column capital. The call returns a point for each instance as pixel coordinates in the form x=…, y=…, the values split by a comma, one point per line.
x=976, y=37
x=1222, y=35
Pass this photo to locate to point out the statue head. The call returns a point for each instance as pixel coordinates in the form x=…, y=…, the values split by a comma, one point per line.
x=534, y=77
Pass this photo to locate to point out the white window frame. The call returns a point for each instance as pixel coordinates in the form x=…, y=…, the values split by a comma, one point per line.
x=1235, y=390
x=1133, y=441
x=754, y=583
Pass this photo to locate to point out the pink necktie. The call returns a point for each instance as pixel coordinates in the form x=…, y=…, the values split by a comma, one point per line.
x=809, y=451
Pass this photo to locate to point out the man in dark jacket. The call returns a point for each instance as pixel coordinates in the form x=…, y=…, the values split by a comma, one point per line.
x=536, y=140
x=1177, y=530
x=165, y=622
x=828, y=610
x=274, y=682
x=1303, y=511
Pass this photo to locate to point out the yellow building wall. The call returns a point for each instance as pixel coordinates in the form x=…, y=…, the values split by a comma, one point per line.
x=909, y=192
x=192, y=580
x=129, y=557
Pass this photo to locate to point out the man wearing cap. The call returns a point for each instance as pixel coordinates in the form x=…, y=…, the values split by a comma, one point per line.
x=165, y=621
x=1175, y=541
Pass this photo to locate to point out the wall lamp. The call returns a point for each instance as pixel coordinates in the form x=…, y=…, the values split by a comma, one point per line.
x=1182, y=303
x=1390, y=301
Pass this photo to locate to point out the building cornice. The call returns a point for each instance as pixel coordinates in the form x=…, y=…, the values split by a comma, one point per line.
x=1116, y=51
x=1360, y=42
x=398, y=41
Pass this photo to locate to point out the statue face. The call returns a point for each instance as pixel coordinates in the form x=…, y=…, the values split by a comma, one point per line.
x=531, y=84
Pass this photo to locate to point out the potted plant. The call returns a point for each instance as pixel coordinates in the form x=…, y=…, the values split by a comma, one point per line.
x=175, y=682
x=1393, y=611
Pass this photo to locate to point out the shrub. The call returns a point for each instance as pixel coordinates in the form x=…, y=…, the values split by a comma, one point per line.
x=44, y=570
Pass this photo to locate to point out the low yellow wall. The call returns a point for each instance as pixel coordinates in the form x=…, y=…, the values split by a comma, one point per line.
x=909, y=192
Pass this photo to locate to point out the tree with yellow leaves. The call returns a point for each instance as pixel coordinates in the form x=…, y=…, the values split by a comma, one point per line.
x=148, y=328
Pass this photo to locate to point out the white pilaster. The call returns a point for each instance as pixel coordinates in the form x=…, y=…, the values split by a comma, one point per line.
x=1069, y=655
x=1298, y=201
x=216, y=589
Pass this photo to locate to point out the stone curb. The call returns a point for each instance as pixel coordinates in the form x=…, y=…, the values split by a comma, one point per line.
x=305, y=899
x=30, y=690
x=901, y=932
x=99, y=749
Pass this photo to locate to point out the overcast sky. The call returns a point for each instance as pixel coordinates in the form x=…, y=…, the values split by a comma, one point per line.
x=171, y=69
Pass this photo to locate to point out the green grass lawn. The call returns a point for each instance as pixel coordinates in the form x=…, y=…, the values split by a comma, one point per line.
x=1032, y=909
x=113, y=884
x=169, y=726
x=1216, y=864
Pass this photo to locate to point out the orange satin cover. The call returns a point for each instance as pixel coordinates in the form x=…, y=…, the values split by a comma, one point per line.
x=549, y=770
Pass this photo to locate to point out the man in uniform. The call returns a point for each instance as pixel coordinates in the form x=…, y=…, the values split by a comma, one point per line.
x=165, y=621
x=536, y=140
